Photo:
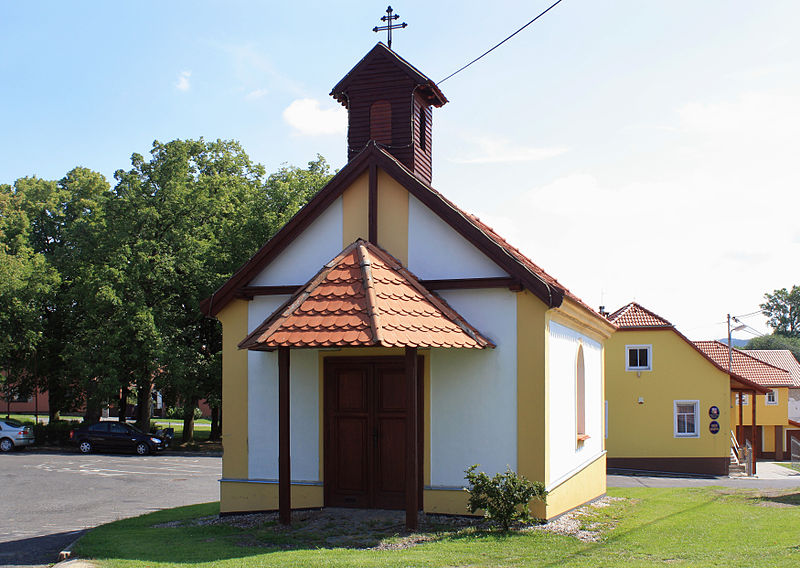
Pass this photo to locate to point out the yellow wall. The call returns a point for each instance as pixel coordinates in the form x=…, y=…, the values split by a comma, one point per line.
x=766, y=414
x=588, y=484
x=532, y=408
x=678, y=372
x=237, y=496
x=233, y=318
x=355, y=211
x=392, y=217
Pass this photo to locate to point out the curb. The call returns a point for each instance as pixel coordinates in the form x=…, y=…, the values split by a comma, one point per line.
x=66, y=553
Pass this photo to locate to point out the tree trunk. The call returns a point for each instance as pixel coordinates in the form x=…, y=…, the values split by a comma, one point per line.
x=53, y=404
x=188, y=419
x=143, y=399
x=216, y=426
x=93, y=411
x=123, y=404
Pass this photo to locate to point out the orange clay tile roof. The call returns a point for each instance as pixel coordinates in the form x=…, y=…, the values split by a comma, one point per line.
x=634, y=315
x=781, y=358
x=745, y=366
x=364, y=297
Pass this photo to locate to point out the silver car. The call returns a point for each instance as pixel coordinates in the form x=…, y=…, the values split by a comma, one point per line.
x=14, y=434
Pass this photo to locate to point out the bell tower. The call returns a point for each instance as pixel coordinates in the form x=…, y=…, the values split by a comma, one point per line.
x=391, y=102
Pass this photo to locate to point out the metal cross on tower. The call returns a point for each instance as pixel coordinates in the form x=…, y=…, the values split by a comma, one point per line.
x=389, y=18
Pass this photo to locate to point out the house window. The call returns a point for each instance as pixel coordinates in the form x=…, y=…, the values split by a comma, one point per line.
x=580, y=395
x=638, y=357
x=686, y=418
x=772, y=398
x=745, y=399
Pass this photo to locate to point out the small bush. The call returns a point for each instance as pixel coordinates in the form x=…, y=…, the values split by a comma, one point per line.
x=53, y=433
x=503, y=498
x=176, y=413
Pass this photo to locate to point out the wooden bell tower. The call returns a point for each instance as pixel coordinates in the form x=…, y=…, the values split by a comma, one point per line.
x=391, y=102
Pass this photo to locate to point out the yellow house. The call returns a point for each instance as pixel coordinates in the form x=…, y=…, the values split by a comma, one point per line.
x=668, y=401
x=384, y=340
x=771, y=411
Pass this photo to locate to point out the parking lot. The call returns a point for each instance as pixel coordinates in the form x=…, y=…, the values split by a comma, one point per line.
x=48, y=499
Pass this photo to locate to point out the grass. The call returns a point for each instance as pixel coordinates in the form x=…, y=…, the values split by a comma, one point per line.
x=648, y=527
x=43, y=418
x=789, y=465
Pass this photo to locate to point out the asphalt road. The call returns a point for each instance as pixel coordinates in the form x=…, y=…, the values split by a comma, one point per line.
x=48, y=499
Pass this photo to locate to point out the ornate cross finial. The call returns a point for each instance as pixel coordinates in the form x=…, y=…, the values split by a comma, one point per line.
x=389, y=18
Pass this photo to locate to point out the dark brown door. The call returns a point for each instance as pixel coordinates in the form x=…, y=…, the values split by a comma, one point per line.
x=365, y=432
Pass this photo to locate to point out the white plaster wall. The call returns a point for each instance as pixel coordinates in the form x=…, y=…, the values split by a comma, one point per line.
x=794, y=404
x=308, y=253
x=262, y=402
x=437, y=251
x=565, y=456
x=474, y=392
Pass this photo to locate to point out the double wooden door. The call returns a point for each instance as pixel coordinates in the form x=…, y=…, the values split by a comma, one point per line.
x=365, y=432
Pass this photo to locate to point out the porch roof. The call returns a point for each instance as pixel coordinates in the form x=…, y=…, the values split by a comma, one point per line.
x=364, y=298
x=744, y=366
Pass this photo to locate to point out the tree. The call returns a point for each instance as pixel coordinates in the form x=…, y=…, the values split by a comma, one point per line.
x=782, y=307
x=27, y=280
x=776, y=341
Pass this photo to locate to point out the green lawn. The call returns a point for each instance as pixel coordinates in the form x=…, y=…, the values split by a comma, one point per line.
x=649, y=527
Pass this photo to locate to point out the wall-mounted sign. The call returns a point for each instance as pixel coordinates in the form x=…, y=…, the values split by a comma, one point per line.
x=713, y=413
x=713, y=427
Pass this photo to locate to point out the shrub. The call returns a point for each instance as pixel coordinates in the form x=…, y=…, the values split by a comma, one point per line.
x=53, y=433
x=176, y=413
x=503, y=498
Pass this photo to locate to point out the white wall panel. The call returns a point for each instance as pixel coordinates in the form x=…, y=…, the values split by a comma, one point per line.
x=474, y=392
x=308, y=253
x=262, y=401
x=565, y=455
x=436, y=251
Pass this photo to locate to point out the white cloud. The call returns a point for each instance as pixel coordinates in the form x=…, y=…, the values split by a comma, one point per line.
x=307, y=118
x=183, y=83
x=256, y=94
x=696, y=229
x=498, y=150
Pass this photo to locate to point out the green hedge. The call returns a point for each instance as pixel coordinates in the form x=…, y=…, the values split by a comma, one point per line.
x=54, y=433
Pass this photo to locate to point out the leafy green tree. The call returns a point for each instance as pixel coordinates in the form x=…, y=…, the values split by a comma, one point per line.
x=775, y=341
x=782, y=307
x=27, y=281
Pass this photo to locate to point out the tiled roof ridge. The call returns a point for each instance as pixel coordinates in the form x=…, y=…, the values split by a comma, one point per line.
x=709, y=345
x=621, y=312
x=756, y=359
x=436, y=323
x=781, y=357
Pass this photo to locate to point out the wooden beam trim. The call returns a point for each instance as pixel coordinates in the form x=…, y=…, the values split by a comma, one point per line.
x=412, y=440
x=284, y=458
x=373, y=203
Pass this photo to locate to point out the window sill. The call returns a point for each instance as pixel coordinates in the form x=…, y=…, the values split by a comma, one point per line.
x=583, y=437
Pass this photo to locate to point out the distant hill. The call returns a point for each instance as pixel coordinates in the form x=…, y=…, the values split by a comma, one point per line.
x=738, y=343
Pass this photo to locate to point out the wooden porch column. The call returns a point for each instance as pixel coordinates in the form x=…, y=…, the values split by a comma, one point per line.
x=412, y=451
x=778, y=443
x=284, y=463
x=753, y=429
x=739, y=436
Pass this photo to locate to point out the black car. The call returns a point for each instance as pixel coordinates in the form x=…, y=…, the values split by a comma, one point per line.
x=115, y=436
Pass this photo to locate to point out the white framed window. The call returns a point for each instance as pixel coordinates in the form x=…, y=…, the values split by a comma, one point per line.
x=638, y=357
x=772, y=398
x=745, y=399
x=687, y=418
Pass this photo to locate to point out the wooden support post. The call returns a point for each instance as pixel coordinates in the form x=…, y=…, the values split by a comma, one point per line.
x=739, y=433
x=412, y=450
x=778, y=443
x=284, y=460
x=753, y=429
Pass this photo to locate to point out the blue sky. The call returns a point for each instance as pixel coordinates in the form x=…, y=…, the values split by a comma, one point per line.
x=635, y=150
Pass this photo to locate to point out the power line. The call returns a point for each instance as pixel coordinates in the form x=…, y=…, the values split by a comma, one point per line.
x=499, y=44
